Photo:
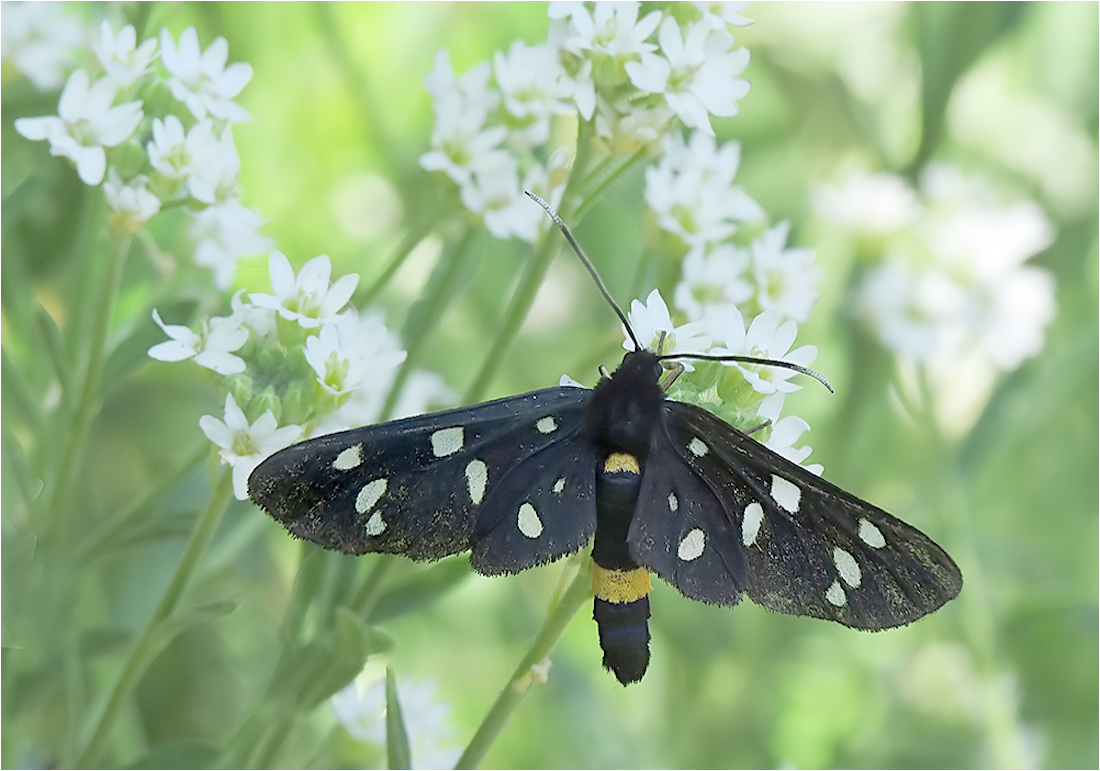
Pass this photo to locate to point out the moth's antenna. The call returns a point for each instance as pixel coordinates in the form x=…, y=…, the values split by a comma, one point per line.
x=622, y=317
x=753, y=360
x=588, y=266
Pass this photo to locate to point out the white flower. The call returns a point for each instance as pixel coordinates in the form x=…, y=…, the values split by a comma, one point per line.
x=712, y=277
x=224, y=233
x=365, y=338
x=244, y=446
x=786, y=279
x=132, y=205
x=907, y=307
x=785, y=432
x=612, y=29
x=494, y=193
x=199, y=158
x=307, y=299
x=698, y=76
x=260, y=320
x=692, y=193
x=39, y=40
x=718, y=15
x=348, y=351
x=201, y=80
x=766, y=338
x=461, y=144
x=87, y=123
x=650, y=320
x=869, y=204
x=124, y=63
x=534, y=87
x=953, y=287
x=625, y=128
x=216, y=179
x=1019, y=307
x=211, y=348
x=470, y=96
x=363, y=713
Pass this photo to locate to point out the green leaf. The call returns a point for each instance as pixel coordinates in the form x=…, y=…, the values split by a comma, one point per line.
x=398, y=754
x=333, y=658
x=178, y=623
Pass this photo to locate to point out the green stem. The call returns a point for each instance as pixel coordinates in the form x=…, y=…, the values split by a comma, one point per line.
x=412, y=238
x=523, y=678
x=371, y=590
x=514, y=317
x=89, y=400
x=446, y=280
x=125, y=517
x=150, y=643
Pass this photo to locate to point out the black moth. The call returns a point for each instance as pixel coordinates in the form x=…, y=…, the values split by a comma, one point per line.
x=663, y=486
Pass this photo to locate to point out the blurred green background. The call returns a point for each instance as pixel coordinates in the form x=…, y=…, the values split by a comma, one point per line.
x=1005, y=676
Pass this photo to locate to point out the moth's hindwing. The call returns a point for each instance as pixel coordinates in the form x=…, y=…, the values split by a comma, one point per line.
x=750, y=520
x=437, y=484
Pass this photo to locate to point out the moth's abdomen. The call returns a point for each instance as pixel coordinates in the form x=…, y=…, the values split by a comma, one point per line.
x=621, y=610
x=621, y=586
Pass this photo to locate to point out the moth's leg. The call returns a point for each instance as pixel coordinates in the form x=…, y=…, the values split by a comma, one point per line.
x=673, y=371
x=760, y=427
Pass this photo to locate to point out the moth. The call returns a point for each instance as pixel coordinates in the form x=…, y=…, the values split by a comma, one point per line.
x=658, y=486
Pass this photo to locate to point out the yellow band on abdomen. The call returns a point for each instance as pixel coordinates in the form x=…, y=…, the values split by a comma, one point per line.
x=620, y=586
x=621, y=461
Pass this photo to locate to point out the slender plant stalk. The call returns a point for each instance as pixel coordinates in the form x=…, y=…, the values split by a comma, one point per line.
x=523, y=678
x=125, y=517
x=514, y=317
x=89, y=401
x=221, y=492
x=441, y=290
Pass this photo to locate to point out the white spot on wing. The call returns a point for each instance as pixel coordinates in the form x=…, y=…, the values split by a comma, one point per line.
x=848, y=568
x=750, y=523
x=692, y=545
x=835, y=595
x=698, y=447
x=349, y=458
x=447, y=441
x=559, y=485
x=477, y=476
x=870, y=534
x=673, y=503
x=529, y=523
x=376, y=525
x=369, y=495
x=786, y=493
x=547, y=425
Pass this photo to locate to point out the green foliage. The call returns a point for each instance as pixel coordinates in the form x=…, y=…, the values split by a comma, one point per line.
x=149, y=620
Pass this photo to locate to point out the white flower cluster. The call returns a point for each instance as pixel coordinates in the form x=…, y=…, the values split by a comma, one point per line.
x=950, y=291
x=723, y=333
x=298, y=350
x=493, y=125
x=362, y=711
x=951, y=280
x=692, y=196
x=144, y=162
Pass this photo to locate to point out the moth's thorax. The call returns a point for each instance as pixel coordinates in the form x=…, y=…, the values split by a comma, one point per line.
x=625, y=408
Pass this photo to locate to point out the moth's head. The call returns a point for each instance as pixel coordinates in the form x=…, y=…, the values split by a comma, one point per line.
x=640, y=365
